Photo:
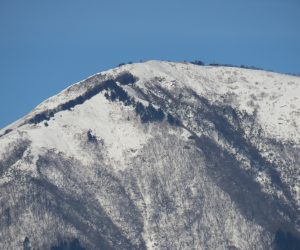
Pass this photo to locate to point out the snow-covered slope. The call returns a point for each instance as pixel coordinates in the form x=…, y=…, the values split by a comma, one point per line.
x=156, y=155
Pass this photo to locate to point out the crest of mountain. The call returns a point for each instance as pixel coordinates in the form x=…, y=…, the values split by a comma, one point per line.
x=156, y=155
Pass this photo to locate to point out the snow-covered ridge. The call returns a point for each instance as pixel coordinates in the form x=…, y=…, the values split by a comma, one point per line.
x=273, y=97
x=156, y=155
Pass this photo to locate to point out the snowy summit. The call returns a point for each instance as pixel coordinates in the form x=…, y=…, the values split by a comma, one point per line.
x=156, y=155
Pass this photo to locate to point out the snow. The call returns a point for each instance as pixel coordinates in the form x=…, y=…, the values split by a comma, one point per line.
x=121, y=137
x=274, y=96
x=159, y=152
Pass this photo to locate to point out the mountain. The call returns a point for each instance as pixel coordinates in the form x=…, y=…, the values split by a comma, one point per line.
x=156, y=155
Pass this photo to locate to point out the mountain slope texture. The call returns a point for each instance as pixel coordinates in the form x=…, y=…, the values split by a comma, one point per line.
x=156, y=155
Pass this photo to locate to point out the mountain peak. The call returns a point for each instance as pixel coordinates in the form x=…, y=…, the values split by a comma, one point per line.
x=251, y=91
x=156, y=155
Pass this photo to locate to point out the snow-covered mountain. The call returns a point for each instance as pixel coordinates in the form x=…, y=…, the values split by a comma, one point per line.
x=156, y=155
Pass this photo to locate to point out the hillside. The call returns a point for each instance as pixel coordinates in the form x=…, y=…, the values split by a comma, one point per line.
x=156, y=155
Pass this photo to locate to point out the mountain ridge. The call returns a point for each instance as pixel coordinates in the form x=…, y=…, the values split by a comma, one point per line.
x=157, y=155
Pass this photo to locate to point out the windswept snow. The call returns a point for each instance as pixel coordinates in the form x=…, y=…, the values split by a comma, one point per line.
x=275, y=97
x=223, y=174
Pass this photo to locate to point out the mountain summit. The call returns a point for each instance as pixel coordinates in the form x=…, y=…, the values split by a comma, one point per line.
x=156, y=155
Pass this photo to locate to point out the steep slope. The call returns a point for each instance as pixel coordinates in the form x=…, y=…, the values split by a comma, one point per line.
x=156, y=155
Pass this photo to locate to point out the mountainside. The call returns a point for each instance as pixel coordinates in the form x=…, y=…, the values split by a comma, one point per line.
x=156, y=155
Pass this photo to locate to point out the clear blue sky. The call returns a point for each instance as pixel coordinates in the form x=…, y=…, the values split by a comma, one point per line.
x=47, y=45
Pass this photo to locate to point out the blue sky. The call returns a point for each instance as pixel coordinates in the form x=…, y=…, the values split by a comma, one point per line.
x=47, y=45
